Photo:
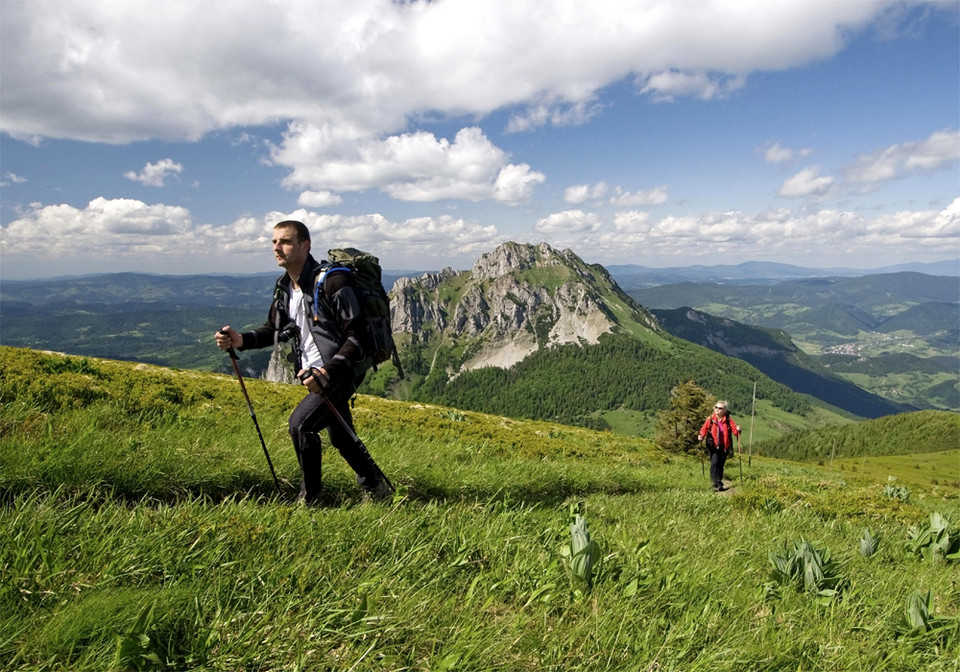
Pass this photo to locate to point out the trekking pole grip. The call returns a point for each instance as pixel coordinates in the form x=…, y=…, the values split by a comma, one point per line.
x=230, y=350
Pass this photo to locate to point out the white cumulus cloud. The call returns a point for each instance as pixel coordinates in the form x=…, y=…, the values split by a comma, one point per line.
x=581, y=193
x=937, y=151
x=318, y=199
x=410, y=167
x=568, y=221
x=154, y=174
x=807, y=182
x=776, y=154
x=126, y=230
x=820, y=238
x=103, y=228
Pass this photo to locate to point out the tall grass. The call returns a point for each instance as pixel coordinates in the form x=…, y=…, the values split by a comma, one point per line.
x=139, y=539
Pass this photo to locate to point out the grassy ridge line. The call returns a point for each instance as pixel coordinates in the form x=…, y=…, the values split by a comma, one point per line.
x=145, y=431
x=915, y=469
x=104, y=542
x=903, y=434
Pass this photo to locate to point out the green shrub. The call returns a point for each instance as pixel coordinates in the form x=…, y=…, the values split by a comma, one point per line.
x=939, y=542
x=869, y=543
x=920, y=622
x=900, y=492
x=580, y=556
x=806, y=568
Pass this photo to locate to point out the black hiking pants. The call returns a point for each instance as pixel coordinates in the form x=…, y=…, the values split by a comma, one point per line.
x=717, y=459
x=307, y=420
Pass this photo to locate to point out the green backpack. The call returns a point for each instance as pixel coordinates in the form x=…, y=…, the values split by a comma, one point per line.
x=374, y=302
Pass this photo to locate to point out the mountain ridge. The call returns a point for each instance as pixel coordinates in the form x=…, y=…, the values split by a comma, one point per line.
x=515, y=300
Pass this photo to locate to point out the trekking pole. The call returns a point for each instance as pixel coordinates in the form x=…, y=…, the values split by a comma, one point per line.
x=243, y=388
x=703, y=452
x=353, y=435
x=740, y=455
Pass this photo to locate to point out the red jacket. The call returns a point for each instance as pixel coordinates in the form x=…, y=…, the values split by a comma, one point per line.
x=713, y=426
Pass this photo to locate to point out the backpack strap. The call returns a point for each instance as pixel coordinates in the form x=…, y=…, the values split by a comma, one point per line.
x=279, y=296
x=318, y=285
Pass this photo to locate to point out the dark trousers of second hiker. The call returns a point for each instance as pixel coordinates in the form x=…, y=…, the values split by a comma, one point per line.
x=307, y=420
x=717, y=459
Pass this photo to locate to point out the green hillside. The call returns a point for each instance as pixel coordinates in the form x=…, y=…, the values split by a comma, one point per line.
x=920, y=432
x=925, y=319
x=774, y=353
x=140, y=530
x=573, y=384
x=919, y=381
x=828, y=312
x=871, y=318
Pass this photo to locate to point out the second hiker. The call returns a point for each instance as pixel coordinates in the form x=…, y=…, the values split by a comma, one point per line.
x=323, y=315
x=719, y=430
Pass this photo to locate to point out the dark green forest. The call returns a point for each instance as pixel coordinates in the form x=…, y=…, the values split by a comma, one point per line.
x=920, y=432
x=571, y=383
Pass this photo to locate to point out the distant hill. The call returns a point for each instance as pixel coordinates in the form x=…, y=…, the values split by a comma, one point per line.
x=924, y=319
x=925, y=431
x=157, y=319
x=773, y=353
x=867, y=317
x=831, y=316
x=881, y=295
x=834, y=312
x=632, y=276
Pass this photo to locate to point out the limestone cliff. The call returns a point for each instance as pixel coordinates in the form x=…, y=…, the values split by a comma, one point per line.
x=513, y=301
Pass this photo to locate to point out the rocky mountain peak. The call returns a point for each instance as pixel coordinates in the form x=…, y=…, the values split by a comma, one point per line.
x=512, y=257
x=515, y=299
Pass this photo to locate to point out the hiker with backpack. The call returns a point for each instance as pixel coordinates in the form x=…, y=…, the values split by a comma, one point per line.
x=316, y=305
x=718, y=430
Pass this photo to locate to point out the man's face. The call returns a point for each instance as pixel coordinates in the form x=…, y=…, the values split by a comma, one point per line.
x=289, y=251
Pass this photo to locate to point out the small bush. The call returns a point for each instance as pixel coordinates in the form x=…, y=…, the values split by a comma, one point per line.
x=919, y=621
x=939, y=542
x=806, y=568
x=900, y=492
x=869, y=543
x=580, y=556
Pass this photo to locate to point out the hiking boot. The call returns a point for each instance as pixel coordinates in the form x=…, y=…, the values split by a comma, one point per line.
x=376, y=488
x=380, y=492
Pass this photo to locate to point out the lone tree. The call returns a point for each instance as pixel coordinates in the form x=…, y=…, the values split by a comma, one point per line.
x=678, y=425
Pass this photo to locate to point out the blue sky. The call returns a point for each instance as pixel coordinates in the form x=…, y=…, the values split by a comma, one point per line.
x=171, y=137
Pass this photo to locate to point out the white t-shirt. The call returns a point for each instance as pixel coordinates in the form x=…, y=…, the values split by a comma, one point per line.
x=309, y=353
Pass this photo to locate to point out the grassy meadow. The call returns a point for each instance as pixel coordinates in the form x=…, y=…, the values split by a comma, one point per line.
x=140, y=529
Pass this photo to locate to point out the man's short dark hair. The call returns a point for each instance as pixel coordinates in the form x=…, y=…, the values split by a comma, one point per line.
x=303, y=233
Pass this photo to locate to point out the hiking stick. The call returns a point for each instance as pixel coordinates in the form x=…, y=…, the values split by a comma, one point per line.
x=753, y=409
x=243, y=388
x=740, y=455
x=353, y=435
